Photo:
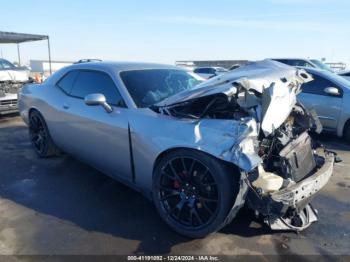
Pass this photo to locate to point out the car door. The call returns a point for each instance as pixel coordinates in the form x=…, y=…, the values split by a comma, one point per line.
x=328, y=107
x=92, y=134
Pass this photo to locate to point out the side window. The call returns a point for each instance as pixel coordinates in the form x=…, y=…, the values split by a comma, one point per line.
x=90, y=82
x=317, y=86
x=198, y=70
x=66, y=83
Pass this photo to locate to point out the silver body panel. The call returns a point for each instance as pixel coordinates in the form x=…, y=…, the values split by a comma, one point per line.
x=126, y=143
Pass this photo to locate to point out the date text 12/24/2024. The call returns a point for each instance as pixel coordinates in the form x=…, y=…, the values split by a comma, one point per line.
x=173, y=258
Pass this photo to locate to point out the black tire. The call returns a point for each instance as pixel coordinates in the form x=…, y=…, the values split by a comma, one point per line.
x=194, y=199
x=346, y=133
x=40, y=137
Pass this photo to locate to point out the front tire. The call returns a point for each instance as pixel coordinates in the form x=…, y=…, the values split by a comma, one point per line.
x=346, y=133
x=40, y=137
x=193, y=192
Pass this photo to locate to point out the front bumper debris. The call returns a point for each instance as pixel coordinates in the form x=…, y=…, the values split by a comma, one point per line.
x=297, y=222
x=296, y=195
x=289, y=208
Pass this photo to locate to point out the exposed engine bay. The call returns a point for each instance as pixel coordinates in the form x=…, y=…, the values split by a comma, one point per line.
x=280, y=164
x=9, y=87
x=12, y=79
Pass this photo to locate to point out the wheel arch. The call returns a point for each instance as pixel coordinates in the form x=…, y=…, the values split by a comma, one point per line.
x=173, y=149
x=33, y=109
x=345, y=126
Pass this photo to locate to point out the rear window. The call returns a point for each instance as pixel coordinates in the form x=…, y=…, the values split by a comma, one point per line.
x=66, y=83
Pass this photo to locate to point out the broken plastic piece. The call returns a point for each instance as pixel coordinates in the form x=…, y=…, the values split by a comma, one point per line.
x=296, y=222
x=267, y=181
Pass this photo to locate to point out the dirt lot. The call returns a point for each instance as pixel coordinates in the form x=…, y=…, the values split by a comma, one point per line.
x=61, y=206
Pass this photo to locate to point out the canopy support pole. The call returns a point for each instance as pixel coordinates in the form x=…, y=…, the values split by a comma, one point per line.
x=49, y=50
x=19, y=55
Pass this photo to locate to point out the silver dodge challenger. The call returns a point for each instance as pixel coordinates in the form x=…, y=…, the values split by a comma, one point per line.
x=200, y=150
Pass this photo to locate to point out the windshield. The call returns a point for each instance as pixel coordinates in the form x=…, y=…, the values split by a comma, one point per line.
x=148, y=87
x=321, y=65
x=5, y=64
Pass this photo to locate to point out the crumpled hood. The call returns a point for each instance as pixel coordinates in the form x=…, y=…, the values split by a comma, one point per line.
x=269, y=85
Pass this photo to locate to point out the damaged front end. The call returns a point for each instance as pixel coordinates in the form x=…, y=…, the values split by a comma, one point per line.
x=11, y=81
x=281, y=166
x=9, y=87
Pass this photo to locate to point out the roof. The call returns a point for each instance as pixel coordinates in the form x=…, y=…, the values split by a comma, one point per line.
x=16, y=38
x=123, y=66
x=290, y=58
x=111, y=67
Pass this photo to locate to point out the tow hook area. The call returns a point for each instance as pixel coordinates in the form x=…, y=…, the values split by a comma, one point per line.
x=293, y=220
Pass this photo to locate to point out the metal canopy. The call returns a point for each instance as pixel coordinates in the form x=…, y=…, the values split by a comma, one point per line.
x=17, y=38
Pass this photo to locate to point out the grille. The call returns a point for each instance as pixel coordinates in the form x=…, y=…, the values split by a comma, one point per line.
x=12, y=102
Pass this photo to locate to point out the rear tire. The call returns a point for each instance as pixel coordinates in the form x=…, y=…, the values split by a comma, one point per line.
x=40, y=137
x=193, y=192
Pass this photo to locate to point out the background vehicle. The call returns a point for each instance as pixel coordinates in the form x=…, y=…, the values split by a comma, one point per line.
x=233, y=67
x=329, y=95
x=313, y=63
x=345, y=74
x=186, y=144
x=11, y=80
x=209, y=72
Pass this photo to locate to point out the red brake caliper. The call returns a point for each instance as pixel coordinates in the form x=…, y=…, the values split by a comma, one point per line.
x=176, y=184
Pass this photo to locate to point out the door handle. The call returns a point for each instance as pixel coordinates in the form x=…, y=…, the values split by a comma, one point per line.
x=65, y=106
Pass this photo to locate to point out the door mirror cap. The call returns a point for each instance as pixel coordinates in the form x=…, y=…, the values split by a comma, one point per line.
x=98, y=100
x=333, y=91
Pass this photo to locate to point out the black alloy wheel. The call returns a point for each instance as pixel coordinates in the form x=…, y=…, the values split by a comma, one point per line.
x=193, y=192
x=189, y=192
x=39, y=135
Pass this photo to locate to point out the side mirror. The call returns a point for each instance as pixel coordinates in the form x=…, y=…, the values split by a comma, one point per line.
x=333, y=91
x=98, y=100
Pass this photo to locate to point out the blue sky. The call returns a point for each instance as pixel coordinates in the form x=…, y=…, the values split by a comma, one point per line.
x=166, y=31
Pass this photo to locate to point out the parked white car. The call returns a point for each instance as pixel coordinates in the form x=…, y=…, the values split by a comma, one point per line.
x=12, y=79
x=209, y=72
